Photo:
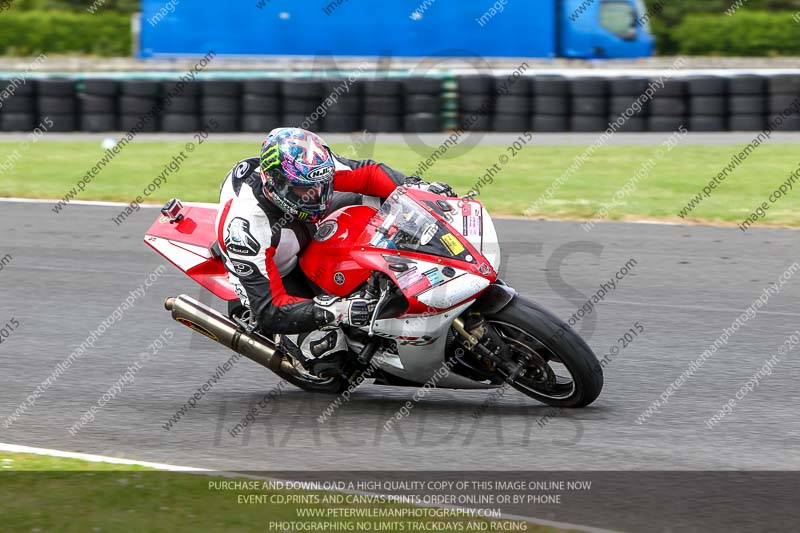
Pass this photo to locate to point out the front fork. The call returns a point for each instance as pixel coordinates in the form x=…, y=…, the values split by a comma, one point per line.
x=477, y=339
x=489, y=347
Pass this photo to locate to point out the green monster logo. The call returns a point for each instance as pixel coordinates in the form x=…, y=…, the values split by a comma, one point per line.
x=270, y=159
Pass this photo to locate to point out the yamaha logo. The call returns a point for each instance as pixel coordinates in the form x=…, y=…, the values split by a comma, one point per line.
x=338, y=278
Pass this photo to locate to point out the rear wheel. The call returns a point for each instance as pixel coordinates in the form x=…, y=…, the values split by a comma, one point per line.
x=332, y=385
x=550, y=361
x=336, y=383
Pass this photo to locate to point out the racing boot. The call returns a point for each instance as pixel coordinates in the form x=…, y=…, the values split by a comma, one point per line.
x=320, y=352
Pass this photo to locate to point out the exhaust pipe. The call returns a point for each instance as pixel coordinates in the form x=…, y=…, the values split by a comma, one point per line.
x=219, y=328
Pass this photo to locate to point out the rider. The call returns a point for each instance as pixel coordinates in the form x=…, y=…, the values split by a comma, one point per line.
x=268, y=207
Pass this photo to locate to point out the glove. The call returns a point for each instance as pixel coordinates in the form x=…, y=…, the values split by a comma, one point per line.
x=332, y=311
x=437, y=187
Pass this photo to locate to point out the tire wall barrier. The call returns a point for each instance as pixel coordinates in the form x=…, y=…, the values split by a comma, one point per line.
x=540, y=103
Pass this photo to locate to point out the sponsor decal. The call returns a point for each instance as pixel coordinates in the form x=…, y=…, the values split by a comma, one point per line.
x=434, y=276
x=197, y=328
x=239, y=240
x=241, y=170
x=413, y=282
x=384, y=243
x=270, y=158
x=339, y=278
x=472, y=220
x=452, y=243
x=428, y=233
x=425, y=340
x=408, y=278
x=243, y=268
x=320, y=173
x=473, y=226
x=326, y=230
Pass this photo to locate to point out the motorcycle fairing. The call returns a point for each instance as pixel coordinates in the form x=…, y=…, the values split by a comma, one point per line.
x=187, y=245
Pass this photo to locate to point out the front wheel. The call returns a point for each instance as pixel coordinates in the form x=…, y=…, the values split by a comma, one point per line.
x=550, y=361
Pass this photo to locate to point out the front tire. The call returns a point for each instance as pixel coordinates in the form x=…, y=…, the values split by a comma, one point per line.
x=538, y=336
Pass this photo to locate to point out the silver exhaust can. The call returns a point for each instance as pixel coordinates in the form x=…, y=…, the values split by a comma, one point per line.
x=219, y=328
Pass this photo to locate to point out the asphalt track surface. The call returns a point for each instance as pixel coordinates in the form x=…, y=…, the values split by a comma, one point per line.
x=71, y=270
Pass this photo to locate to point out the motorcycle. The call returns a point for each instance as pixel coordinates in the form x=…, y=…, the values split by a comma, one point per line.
x=442, y=317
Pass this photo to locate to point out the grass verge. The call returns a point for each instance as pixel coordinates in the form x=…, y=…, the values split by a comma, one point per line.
x=43, y=493
x=49, y=169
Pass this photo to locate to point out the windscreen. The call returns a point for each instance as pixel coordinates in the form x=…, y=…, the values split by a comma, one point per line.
x=403, y=224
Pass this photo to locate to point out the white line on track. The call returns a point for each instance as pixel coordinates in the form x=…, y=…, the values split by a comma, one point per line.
x=15, y=448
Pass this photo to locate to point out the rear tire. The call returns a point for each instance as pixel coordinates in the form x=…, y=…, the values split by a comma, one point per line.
x=569, y=348
x=335, y=385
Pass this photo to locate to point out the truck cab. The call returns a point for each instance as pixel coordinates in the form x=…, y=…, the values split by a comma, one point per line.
x=598, y=29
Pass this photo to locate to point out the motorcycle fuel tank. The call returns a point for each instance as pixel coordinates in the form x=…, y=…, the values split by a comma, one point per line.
x=327, y=260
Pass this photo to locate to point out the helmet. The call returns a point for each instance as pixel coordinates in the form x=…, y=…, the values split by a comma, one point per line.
x=297, y=172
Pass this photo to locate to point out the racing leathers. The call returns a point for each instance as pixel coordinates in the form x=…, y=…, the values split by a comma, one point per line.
x=260, y=243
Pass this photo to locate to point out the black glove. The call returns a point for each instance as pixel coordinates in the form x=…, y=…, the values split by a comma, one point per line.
x=415, y=181
x=437, y=187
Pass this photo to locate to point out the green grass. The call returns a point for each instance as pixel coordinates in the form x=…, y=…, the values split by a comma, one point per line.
x=49, y=169
x=42, y=493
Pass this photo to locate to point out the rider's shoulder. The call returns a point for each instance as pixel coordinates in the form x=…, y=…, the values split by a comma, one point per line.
x=244, y=168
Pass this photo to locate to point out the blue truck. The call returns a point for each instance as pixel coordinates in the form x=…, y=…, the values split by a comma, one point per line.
x=588, y=29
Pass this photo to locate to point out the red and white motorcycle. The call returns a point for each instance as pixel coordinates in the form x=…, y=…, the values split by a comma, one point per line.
x=442, y=316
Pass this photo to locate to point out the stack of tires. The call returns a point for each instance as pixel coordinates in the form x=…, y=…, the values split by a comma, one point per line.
x=708, y=103
x=784, y=91
x=342, y=106
x=301, y=98
x=138, y=101
x=261, y=105
x=181, y=107
x=18, y=111
x=512, y=110
x=476, y=101
x=589, y=104
x=551, y=104
x=97, y=100
x=747, y=103
x=625, y=105
x=668, y=106
x=56, y=100
x=383, y=105
x=221, y=105
x=423, y=105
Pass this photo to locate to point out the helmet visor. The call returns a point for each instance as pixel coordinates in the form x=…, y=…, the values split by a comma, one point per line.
x=311, y=197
